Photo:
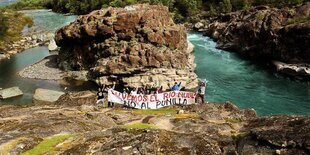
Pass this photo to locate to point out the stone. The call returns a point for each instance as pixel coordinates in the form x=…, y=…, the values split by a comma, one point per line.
x=87, y=108
x=295, y=69
x=127, y=147
x=52, y=45
x=198, y=25
x=46, y=97
x=3, y=56
x=10, y=92
x=181, y=112
x=82, y=98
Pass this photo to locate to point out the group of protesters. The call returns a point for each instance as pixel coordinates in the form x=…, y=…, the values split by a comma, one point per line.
x=151, y=90
x=147, y=90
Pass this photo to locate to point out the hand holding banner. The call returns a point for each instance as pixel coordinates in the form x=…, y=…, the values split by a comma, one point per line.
x=153, y=101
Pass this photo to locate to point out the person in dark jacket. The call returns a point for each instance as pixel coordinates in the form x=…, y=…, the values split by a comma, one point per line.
x=100, y=97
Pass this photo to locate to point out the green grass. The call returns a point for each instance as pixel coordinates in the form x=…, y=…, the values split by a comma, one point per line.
x=47, y=144
x=155, y=111
x=240, y=135
x=139, y=126
x=294, y=21
x=149, y=111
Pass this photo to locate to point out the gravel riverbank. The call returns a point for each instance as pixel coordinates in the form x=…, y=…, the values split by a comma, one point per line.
x=45, y=69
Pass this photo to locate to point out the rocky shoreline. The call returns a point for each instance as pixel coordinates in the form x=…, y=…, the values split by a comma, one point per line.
x=192, y=129
x=26, y=42
x=46, y=69
x=264, y=34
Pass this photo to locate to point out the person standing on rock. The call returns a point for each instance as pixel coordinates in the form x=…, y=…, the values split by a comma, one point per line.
x=134, y=92
x=100, y=97
x=159, y=90
x=109, y=88
x=201, y=90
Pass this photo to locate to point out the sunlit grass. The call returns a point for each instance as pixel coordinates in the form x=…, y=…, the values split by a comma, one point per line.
x=6, y=148
x=48, y=144
x=187, y=115
x=232, y=120
x=139, y=126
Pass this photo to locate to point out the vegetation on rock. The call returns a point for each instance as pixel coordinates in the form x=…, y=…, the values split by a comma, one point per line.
x=11, y=26
x=48, y=144
x=139, y=126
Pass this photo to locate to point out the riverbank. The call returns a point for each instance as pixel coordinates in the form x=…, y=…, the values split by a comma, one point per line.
x=41, y=33
x=46, y=69
x=265, y=34
x=203, y=129
x=26, y=42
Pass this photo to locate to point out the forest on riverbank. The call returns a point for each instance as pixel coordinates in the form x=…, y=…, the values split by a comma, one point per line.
x=181, y=10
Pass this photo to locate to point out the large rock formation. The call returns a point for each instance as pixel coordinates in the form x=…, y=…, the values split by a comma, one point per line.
x=139, y=44
x=208, y=129
x=264, y=33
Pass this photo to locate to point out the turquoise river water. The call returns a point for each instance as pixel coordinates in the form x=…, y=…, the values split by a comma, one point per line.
x=230, y=77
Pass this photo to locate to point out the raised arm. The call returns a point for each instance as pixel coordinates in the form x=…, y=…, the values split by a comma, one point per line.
x=179, y=85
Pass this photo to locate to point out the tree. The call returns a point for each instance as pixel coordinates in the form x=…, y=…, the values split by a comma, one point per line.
x=226, y=6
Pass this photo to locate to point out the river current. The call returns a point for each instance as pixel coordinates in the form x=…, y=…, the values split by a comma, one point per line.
x=230, y=77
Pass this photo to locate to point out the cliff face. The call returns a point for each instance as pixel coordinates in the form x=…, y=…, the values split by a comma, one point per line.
x=138, y=43
x=264, y=33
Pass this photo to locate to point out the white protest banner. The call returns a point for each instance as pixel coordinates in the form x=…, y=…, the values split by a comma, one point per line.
x=153, y=101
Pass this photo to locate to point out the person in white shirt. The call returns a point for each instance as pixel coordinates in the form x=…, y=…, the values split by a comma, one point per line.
x=201, y=90
x=133, y=92
x=109, y=88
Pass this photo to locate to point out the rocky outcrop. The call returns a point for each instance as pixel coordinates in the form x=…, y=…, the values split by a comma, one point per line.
x=45, y=96
x=77, y=98
x=296, y=70
x=199, y=129
x=263, y=33
x=138, y=44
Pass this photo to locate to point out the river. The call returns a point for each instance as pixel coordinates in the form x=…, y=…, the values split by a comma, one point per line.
x=248, y=85
x=44, y=20
x=7, y=2
x=230, y=77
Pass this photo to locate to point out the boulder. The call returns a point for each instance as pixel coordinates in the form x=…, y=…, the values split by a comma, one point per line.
x=77, y=98
x=52, y=45
x=302, y=70
x=132, y=43
x=45, y=96
x=198, y=25
x=2, y=56
x=10, y=92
